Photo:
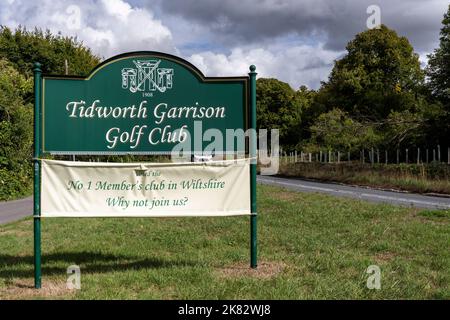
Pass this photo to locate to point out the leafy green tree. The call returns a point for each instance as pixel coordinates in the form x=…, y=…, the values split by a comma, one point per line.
x=22, y=48
x=335, y=130
x=279, y=107
x=438, y=69
x=438, y=72
x=403, y=128
x=16, y=137
x=380, y=73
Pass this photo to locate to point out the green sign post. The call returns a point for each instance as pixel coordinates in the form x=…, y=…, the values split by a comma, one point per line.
x=143, y=103
x=37, y=173
x=253, y=141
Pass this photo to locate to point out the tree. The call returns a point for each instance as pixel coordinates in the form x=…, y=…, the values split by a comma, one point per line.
x=15, y=117
x=336, y=130
x=22, y=48
x=403, y=128
x=438, y=69
x=16, y=137
x=380, y=73
x=438, y=72
x=279, y=107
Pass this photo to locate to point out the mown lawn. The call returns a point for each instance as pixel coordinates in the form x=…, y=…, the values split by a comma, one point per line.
x=311, y=246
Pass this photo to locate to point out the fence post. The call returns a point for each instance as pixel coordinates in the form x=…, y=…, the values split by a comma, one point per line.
x=439, y=153
x=386, y=156
x=418, y=155
x=407, y=160
x=378, y=156
x=427, y=155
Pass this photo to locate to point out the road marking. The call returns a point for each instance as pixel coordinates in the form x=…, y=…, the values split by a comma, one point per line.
x=359, y=194
x=437, y=204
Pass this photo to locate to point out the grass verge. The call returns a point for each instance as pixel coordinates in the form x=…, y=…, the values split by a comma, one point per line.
x=311, y=246
x=413, y=178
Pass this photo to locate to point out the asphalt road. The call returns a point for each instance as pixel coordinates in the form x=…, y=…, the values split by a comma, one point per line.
x=396, y=198
x=15, y=210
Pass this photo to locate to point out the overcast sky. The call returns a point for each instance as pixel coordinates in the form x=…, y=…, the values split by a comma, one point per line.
x=293, y=40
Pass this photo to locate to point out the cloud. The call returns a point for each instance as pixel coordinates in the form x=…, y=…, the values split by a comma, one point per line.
x=297, y=65
x=295, y=41
x=237, y=22
x=108, y=27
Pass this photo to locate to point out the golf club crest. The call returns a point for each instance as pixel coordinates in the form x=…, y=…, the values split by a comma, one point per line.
x=147, y=77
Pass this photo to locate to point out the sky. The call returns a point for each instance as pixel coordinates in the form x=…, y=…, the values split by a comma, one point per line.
x=295, y=41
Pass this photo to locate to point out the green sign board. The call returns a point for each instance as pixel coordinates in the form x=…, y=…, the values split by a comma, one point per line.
x=140, y=103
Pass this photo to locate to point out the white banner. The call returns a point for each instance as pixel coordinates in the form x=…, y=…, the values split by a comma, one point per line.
x=97, y=189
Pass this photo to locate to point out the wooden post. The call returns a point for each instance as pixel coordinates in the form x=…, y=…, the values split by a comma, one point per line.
x=418, y=156
x=386, y=156
x=439, y=153
x=448, y=155
x=66, y=66
x=378, y=156
x=407, y=156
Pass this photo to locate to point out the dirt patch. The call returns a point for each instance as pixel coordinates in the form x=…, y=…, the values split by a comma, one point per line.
x=24, y=289
x=265, y=270
x=385, y=256
x=286, y=196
